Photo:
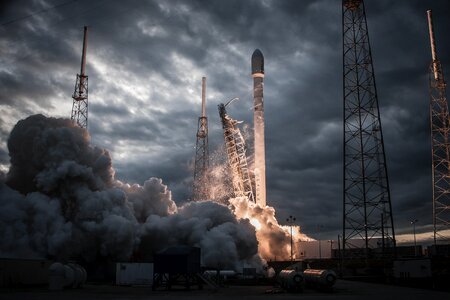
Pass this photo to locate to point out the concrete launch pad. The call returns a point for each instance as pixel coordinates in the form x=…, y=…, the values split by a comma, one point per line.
x=343, y=290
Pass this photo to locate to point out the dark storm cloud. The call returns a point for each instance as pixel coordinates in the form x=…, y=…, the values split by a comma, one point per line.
x=146, y=59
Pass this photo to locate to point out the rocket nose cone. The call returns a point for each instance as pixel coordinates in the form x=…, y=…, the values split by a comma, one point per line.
x=257, y=62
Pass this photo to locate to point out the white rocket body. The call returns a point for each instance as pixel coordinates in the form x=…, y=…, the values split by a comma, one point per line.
x=258, y=121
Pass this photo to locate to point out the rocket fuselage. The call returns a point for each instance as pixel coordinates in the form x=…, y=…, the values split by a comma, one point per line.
x=258, y=121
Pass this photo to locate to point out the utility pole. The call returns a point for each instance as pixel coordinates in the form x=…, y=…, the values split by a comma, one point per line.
x=319, y=227
x=291, y=221
x=440, y=147
x=80, y=95
x=331, y=248
x=366, y=193
x=340, y=256
x=413, y=223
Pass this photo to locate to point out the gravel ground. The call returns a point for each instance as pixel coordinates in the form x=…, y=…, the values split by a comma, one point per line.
x=343, y=290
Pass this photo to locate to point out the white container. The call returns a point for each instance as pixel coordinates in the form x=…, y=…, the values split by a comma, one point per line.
x=66, y=276
x=320, y=278
x=134, y=273
x=56, y=277
x=291, y=280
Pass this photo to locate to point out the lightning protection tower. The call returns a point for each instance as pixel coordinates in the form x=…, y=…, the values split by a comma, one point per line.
x=200, y=188
x=440, y=129
x=80, y=95
x=367, y=218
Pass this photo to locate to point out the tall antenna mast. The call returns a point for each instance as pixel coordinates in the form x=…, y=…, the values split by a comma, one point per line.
x=367, y=218
x=200, y=187
x=80, y=95
x=433, y=46
x=440, y=148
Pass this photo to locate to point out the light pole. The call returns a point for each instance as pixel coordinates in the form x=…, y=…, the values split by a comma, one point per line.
x=291, y=221
x=340, y=255
x=319, y=227
x=413, y=223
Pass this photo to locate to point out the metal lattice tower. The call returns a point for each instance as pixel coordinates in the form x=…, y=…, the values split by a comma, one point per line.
x=440, y=129
x=200, y=188
x=237, y=159
x=367, y=218
x=80, y=95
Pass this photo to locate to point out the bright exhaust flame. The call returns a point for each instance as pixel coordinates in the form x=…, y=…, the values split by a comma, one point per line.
x=274, y=240
x=256, y=224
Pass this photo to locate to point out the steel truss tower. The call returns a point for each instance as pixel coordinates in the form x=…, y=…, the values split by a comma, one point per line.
x=367, y=218
x=440, y=129
x=237, y=159
x=200, y=188
x=80, y=95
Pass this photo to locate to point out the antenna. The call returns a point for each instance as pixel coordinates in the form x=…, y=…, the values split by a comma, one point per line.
x=80, y=95
x=203, y=97
x=433, y=44
x=440, y=144
x=83, y=55
x=366, y=193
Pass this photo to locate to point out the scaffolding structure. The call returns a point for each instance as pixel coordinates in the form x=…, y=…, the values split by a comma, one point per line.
x=440, y=147
x=80, y=96
x=367, y=211
x=236, y=152
x=200, y=187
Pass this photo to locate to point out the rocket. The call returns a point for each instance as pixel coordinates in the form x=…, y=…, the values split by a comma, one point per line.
x=258, y=123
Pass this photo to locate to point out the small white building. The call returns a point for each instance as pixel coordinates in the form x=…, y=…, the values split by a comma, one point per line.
x=134, y=273
x=315, y=249
x=412, y=268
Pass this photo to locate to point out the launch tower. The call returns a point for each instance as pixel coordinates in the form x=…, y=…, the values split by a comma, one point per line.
x=440, y=129
x=80, y=95
x=237, y=159
x=200, y=191
x=367, y=217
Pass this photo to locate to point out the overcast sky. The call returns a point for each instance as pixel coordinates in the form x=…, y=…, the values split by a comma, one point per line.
x=145, y=60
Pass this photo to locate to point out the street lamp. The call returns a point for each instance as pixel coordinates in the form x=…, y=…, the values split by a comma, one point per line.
x=291, y=221
x=413, y=223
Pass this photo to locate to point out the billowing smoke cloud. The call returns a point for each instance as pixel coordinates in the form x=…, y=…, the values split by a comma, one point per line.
x=226, y=241
x=218, y=183
x=61, y=201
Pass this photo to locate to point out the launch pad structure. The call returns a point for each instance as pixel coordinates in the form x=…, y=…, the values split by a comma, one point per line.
x=235, y=143
x=236, y=153
x=440, y=147
x=367, y=210
x=80, y=96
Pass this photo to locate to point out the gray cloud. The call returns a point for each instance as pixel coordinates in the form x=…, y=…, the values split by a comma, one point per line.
x=146, y=60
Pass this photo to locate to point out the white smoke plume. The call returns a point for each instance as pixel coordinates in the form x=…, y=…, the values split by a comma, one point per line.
x=60, y=200
x=218, y=183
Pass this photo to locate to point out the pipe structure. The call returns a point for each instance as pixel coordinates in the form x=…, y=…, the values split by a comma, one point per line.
x=203, y=97
x=83, y=55
x=433, y=45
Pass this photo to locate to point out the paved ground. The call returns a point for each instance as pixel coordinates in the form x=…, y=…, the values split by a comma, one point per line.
x=343, y=290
